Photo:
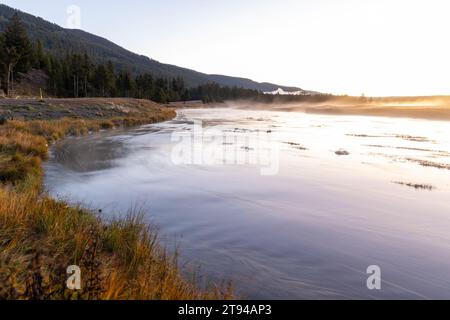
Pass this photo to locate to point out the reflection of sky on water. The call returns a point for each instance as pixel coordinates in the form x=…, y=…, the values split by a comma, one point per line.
x=309, y=231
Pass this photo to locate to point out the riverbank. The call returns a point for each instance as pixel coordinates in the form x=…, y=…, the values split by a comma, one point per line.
x=82, y=108
x=40, y=237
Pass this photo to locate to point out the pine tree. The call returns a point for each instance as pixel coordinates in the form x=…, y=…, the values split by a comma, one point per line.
x=110, y=79
x=17, y=50
x=161, y=96
x=2, y=59
x=40, y=59
x=125, y=83
x=85, y=72
x=100, y=79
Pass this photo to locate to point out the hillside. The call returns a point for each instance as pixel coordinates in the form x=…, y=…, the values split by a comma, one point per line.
x=60, y=41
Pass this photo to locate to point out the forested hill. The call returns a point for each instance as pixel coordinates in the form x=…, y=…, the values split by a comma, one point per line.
x=60, y=41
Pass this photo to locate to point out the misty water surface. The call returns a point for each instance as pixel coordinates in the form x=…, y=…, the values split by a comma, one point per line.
x=350, y=192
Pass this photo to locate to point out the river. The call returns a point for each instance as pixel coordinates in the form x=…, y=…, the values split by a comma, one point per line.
x=286, y=205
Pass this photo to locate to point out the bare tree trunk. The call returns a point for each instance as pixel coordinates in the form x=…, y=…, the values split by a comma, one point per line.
x=85, y=86
x=8, y=79
x=12, y=82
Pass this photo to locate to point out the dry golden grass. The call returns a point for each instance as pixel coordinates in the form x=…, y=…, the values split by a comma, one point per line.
x=121, y=260
x=40, y=236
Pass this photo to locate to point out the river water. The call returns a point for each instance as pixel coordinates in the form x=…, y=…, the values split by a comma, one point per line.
x=286, y=205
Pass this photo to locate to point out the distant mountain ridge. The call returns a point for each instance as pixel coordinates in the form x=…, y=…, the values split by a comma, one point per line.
x=60, y=41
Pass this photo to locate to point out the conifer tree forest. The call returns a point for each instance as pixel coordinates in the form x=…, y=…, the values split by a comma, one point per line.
x=75, y=75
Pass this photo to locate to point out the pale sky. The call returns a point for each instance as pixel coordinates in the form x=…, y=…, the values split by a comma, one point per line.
x=376, y=47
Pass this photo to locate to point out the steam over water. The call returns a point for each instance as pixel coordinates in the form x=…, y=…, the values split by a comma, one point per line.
x=350, y=192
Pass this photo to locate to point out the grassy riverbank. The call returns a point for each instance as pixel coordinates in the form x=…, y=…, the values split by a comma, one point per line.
x=40, y=236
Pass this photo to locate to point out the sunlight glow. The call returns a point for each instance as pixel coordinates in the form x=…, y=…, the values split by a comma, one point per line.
x=375, y=47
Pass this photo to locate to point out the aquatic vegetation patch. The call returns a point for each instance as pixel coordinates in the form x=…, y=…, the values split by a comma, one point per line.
x=399, y=136
x=417, y=186
x=296, y=145
x=426, y=163
x=436, y=152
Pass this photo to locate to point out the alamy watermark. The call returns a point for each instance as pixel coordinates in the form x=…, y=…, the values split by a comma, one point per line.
x=374, y=280
x=213, y=147
x=74, y=278
x=73, y=17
